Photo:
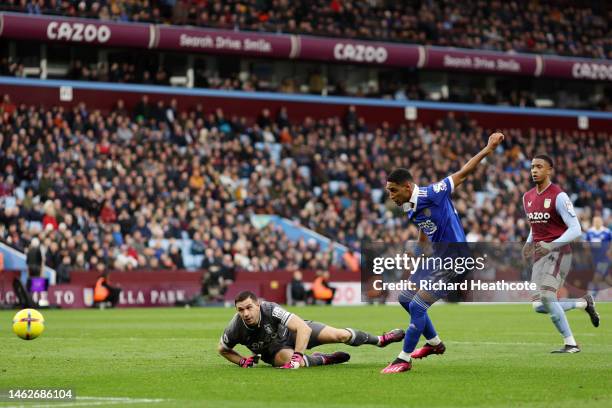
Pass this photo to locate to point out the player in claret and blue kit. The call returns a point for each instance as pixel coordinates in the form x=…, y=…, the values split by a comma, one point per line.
x=432, y=209
x=553, y=226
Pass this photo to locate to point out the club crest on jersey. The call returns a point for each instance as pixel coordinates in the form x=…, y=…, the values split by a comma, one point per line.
x=427, y=212
x=547, y=203
x=441, y=186
x=528, y=203
x=268, y=328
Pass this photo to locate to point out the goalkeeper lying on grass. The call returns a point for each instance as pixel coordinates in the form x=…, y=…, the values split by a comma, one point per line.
x=281, y=337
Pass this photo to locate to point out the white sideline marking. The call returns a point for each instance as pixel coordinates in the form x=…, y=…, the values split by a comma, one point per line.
x=120, y=399
x=93, y=401
x=507, y=343
x=496, y=343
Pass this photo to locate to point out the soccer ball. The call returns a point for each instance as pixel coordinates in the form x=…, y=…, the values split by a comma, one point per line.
x=28, y=324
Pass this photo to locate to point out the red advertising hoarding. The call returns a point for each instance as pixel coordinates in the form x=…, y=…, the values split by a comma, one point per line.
x=480, y=61
x=223, y=42
x=285, y=46
x=360, y=52
x=75, y=31
x=596, y=70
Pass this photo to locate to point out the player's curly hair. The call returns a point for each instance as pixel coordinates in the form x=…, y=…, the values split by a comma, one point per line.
x=400, y=176
x=546, y=158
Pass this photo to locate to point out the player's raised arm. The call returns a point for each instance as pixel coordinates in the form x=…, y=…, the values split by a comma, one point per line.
x=459, y=177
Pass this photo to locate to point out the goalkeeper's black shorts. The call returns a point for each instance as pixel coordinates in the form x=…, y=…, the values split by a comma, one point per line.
x=268, y=355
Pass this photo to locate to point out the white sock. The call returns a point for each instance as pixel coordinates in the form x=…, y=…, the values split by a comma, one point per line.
x=352, y=332
x=570, y=341
x=434, y=341
x=404, y=356
x=581, y=304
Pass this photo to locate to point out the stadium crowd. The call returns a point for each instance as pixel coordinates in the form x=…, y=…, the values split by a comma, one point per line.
x=105, y=190
x=313, y=84
x=552, y=27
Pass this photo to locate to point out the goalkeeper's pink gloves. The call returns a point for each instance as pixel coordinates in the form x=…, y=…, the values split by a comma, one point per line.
x=296, y=361
x=249, y=362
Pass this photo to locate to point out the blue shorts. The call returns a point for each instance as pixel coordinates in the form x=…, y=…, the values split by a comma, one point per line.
x=424, y=279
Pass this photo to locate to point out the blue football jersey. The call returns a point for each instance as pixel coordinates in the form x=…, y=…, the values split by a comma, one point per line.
x=432, y=210
x=600, y=240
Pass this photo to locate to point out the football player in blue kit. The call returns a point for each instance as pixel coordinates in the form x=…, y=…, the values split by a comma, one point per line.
x=432, y=210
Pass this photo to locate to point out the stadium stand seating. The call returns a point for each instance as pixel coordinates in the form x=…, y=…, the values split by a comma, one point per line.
x=552, y=27
x=165, y=187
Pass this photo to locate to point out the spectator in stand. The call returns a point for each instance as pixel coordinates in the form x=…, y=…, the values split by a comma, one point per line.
x=213, y=285
x=387, y=88
x=34, y=260
x=321, y=290
x=326, y=175
x=551, y=27
x=299, y=294
x=63, y=270
x=49, y=220
x=103, y=291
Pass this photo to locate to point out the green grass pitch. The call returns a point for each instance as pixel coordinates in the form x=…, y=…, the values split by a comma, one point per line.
x=497, y=356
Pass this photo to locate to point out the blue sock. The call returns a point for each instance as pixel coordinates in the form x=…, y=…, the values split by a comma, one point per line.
x=418, y=320
x=567, y=304
x=429, y=331
x=557, y=315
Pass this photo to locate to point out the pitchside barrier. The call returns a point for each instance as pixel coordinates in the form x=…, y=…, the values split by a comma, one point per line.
x=104, y=96
x=146, y=288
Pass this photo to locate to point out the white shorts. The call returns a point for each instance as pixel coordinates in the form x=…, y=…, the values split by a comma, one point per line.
x=550, y=271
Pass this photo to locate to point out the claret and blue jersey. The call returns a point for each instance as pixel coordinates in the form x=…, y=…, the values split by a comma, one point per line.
x=432, y=210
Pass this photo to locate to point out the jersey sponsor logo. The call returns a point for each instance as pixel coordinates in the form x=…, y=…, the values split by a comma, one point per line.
x=265, y=340
x=538, y=216
x=441, y=186
x=258, y=345
x=428, y=227
x=547, y=203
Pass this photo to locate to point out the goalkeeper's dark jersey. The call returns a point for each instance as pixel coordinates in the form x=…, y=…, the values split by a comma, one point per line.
x=270, y=333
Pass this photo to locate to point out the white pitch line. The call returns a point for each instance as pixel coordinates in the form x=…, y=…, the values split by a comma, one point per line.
x=502, y=343
x=92, y=401
x=120, y=399
x=496, y=343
